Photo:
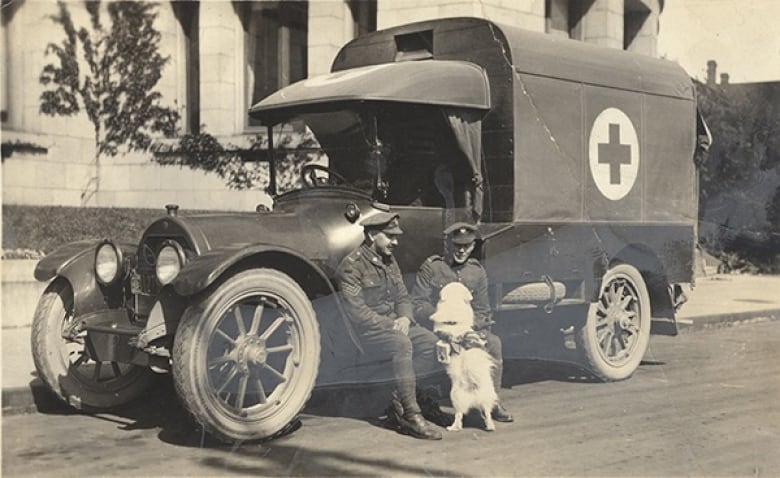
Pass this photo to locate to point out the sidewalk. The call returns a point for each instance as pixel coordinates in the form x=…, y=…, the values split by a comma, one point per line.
x=729, y=299
x=716, y=300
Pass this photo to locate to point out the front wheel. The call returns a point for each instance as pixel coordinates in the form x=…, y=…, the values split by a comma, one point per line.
x=63, y=362
x=616, y=333
x=245, y=358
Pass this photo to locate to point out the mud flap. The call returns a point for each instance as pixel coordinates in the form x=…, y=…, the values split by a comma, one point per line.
x=664, y=326
x=675, y=298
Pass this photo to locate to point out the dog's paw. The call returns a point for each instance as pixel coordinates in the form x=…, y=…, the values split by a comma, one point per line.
x=455, y=428
x=491, y=427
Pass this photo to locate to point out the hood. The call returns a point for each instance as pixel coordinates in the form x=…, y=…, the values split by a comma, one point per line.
x=310, y=222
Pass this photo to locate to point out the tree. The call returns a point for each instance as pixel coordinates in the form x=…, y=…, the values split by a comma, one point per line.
x=746, y=134
x=744, y=161
x=109, y=72
x=245, y=168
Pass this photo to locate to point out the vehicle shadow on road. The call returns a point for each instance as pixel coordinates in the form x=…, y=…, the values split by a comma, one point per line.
x=279, y=459
x=526, y=371
x=158, y=408
x=44, y=400
x=369, y=402
x=161, y=410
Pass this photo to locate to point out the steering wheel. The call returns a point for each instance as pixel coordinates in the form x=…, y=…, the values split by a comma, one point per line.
x=311, y=180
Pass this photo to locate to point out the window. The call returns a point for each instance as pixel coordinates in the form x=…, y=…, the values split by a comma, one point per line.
x=277, y=43
x=414, y=46
x=363, y=16
x=564, y=17
x=556, y=13
x=632, y=25
x=5, y=60
x=635, y=15
x=188, y=15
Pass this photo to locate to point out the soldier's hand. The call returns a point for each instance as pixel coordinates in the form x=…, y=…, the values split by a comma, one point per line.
x=402, y=324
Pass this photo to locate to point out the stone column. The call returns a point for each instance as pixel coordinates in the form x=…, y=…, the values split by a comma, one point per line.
x=330, y=27
x=222, y=107
x=525, y=14
x=602, y=24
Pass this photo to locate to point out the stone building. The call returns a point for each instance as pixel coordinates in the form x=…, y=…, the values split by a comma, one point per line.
x=224, y=57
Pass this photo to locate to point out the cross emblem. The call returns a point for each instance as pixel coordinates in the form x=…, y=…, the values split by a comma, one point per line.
x=614, y=153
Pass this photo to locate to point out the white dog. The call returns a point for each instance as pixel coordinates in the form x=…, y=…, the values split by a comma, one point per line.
x=463, y=354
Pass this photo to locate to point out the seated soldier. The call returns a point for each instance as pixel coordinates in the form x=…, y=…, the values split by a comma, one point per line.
x=378, y=304
x=457, y=266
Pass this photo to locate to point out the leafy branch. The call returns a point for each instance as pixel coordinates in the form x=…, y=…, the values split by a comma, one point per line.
x=244, y=168
x=109, y=72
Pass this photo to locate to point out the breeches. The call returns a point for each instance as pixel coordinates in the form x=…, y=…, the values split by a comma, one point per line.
x=411, y=356
x=493, y=347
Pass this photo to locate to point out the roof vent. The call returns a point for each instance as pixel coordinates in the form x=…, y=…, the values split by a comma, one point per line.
x=414, y=46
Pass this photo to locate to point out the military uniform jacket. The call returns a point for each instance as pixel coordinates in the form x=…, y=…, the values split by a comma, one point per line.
x=373, y=290
x=436, y=272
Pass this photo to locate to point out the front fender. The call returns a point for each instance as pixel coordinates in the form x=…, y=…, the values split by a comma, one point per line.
x=204, y=270
x=76, y=263
x=63, y=258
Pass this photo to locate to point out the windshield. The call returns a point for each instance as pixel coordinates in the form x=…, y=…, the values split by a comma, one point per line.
x=400, y=155
x=332, y=144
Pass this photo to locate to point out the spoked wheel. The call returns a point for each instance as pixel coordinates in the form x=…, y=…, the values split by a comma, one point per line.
x=616, y=333
x=246, y=357
x=63, y=363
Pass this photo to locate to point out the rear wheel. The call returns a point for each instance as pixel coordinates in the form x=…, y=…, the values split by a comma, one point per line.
x=616, y=333
x=246, y=357
x=63, y=363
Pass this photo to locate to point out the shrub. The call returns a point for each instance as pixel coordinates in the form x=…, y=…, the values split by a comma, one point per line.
x=751, y=254
x=29, y=232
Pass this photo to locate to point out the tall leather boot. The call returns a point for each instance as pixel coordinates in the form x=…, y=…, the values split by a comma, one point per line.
x=431, y=410
x=410, y=421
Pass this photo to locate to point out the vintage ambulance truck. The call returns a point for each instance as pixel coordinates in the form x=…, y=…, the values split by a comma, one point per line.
x=576, y=162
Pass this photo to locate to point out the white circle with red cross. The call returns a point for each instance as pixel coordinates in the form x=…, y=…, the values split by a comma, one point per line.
x=613, y=150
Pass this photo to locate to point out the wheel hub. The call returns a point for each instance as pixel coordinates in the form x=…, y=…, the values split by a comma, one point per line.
x=251, y=350
x=615, y=344
x=615, y=315
x=618, y=315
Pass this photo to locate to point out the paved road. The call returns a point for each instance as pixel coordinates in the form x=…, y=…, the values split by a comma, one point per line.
x=703, y=404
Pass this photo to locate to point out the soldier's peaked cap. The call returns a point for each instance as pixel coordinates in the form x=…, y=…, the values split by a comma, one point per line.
x=462, y=233
x=385, y=221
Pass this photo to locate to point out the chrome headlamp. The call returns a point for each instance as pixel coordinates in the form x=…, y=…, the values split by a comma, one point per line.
x=170, y=260
x=108, y=263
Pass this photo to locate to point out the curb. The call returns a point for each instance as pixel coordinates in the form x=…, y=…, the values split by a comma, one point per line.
x=38, y=398
x=695, y=324
x=31, y=399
